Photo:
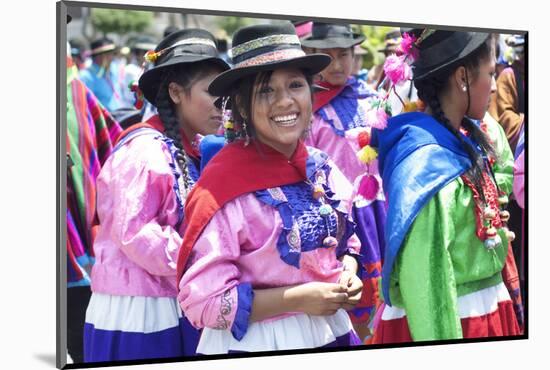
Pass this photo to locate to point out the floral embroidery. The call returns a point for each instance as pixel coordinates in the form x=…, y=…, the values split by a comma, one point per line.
x=225, y=309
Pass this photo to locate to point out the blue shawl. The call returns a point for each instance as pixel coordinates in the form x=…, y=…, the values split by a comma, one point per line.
x=417, y=157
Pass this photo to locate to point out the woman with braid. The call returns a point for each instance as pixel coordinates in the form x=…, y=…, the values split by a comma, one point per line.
x=446, y=235
x=141, y=192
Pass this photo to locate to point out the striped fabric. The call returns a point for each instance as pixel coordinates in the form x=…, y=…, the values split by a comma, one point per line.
x=91, y=132
x=122, y=328
x=486, y=313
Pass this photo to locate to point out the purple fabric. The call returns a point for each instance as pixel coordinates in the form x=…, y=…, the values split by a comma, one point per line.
x=240, y=324
x=370, y=222
x=349, y=111
x=346, y=340
x=297, y=207
x=106, y=345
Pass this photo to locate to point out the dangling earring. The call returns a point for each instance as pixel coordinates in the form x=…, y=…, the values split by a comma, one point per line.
x=307, y=130
x=246, y=137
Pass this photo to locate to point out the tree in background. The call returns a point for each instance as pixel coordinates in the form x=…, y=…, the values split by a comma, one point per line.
x=231, y=24
x=120, y=21
x=375, y=41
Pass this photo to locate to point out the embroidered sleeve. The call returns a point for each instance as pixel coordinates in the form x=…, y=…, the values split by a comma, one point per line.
x=211, y=294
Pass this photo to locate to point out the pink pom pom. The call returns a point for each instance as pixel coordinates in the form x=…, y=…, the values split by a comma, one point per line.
x=406, y=46
x=368, y=187
x=377, y=118
x=396, y=69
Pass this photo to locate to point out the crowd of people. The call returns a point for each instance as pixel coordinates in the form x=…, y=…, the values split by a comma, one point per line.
x=284, y=197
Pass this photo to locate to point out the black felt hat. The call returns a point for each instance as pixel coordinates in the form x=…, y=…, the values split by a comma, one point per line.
x=264, y=48
x=102, y=46
x=391, y=41
x=444, y=48
x=127, y=116
x=328, y=36
x=187, y=46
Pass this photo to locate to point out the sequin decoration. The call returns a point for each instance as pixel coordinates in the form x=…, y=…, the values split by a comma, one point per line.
x=325, y=210
x=330, y=242
x=277, y=194
x=320, y=178
x=318, y=192
x=293, y=238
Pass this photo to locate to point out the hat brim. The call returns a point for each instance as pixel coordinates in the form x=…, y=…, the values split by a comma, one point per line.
x=477, y=40
x=109, y=49
x=144, y=46
x=311, y=64
x=333, y=42
x=149, y=82
x=127, y=117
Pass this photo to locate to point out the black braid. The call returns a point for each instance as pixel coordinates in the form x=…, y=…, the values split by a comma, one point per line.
x=171, y=127
x=428, y=90
x=185, y=76
x=475, y=172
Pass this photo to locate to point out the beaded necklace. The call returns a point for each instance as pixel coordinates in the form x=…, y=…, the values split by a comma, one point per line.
x=325, y=209
x=489, y=207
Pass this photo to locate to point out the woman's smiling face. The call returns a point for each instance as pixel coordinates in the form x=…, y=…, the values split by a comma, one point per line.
x=281, y=109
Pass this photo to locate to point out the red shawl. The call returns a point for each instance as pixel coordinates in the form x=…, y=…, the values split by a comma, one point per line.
x=323, y=97
x=234, y=171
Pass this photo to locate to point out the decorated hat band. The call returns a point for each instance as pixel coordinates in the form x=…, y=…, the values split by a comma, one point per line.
x=273, y=56
x=272, y=40
x=103, y=48
x=152, y=56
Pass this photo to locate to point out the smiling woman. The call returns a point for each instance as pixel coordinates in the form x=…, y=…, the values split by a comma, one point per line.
x=267, y=256
x=281, y=108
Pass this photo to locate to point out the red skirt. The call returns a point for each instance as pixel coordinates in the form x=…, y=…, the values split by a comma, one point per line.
x=485, y=313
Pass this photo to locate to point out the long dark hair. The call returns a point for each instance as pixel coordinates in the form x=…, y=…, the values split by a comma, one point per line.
x=243, y=93
x=428, y=90
x=185, y=75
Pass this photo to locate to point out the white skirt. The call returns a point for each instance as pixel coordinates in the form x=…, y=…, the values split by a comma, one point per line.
x=293, y=332
x=127, y=328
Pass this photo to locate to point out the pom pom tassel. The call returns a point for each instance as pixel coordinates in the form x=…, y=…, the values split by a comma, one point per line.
x=367, y=154
x=368, y=187
x=377, y=118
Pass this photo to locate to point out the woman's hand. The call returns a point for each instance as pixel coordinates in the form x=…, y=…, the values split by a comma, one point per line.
x=320, y=299
x=354, y=287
